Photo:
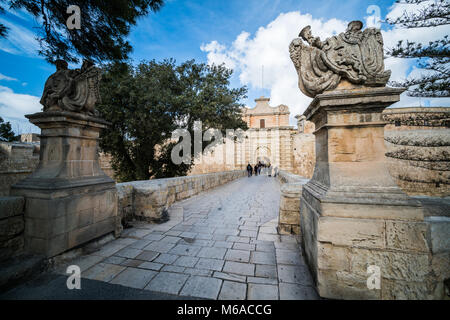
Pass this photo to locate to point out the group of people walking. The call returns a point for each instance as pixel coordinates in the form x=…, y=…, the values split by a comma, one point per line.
x=260, y=167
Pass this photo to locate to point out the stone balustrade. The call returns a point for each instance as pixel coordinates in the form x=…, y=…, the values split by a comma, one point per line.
x=149, y=200
x=291, y=191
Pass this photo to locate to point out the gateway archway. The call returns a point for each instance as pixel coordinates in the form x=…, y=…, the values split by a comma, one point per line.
x=263, y=155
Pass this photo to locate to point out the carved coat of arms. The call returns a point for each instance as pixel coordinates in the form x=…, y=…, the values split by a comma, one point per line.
x=354, y=55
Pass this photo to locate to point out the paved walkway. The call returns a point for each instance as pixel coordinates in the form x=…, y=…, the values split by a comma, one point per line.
x=221, y=244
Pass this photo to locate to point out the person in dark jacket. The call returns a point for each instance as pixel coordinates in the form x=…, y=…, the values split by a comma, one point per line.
x=249, y=170
x=256, y=169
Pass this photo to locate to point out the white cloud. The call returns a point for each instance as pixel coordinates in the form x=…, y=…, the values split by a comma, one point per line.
x=16, y=105
x=269, y=47
x=216, y=54
x=6, y=78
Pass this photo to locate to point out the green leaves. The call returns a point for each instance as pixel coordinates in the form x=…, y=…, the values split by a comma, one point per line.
x=6, y=133
x=146, y=103
x=104, y=27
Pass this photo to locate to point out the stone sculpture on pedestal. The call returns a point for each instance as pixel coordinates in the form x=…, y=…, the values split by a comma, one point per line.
x=355, y=55
x=69, y=199
x=352, y=214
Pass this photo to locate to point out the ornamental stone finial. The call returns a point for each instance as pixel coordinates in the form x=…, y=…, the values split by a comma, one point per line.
x=354, y=55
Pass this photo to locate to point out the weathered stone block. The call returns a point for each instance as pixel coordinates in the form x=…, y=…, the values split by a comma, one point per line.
x=406, y=290
x=84, y=234
x=11, y=227
x=11, y=206
x=406, y=236
x=440, y=234
x=352, y=232
x=284, y=228
x=45, y=228
x=333, y=258
x=11, y=247
x=290, y=204
x=394, y=265
x=440, y=263
x=345, y=285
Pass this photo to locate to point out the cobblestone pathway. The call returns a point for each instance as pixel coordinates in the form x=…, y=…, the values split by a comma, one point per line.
x=221, y=244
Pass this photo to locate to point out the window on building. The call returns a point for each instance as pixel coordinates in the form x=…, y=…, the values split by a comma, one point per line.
x=262, y=123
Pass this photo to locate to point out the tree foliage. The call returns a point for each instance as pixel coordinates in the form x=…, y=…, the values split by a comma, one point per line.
x=434, y=56
x=3, y=29
x=6, y=133
x=104, y=26
x=146, y=103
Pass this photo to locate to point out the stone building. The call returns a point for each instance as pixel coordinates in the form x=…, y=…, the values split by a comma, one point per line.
x=29, y=138
x=269, y=139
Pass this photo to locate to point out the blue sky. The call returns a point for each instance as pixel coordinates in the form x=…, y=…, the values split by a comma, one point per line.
x=179, y=31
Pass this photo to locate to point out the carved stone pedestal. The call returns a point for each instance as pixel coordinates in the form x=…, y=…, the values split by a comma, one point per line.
x=69, y=199
x=353, y=215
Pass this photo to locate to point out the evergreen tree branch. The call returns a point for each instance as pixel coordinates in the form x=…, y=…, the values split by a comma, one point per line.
x=435, y=14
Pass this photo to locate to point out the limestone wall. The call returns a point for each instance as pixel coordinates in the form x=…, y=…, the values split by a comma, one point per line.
x=304, y=154
x=150, y=199
x=105, y=163
x=418, y=149
x=17, y=161
x=220, y=158
x=289, y=214
x=12, y=226
x=304, y=148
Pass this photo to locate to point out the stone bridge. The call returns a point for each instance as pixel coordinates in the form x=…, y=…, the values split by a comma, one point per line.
x=219, y=244
x=226, y=236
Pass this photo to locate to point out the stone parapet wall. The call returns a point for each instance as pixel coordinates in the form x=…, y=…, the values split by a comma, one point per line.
x=304, y=154
x=437, y=218
x=304, y=148
x=17, y=161
x=105, y=161
x=418, y=149
x=363, y=237
x=150, y=199
x=12, y=226
x=291, y=191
